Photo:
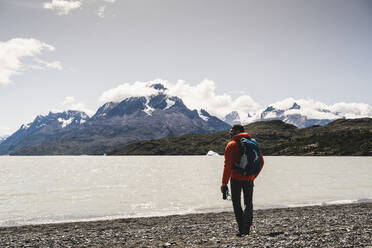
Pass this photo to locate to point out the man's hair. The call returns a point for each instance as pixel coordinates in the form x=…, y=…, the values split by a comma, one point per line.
x=238, y=127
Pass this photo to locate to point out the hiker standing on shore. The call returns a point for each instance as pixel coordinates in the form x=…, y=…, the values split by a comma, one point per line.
x=238, y=180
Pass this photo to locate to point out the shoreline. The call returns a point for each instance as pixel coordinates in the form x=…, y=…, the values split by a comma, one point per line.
x=181, y=213
x=340, y=225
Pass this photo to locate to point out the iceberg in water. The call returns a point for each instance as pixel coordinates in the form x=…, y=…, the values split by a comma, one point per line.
x=212, y=153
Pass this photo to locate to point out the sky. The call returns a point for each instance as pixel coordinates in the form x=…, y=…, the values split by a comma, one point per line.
x=221, y=55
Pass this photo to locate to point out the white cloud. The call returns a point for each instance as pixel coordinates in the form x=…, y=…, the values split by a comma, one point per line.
x=101, y=11
x=68, y=100
x=69, y=103
x=128, y=90
x=42, y=65
x=352, y=110
x=63, y=7
x=202, y=95
x=12, y=51
x=318, y=110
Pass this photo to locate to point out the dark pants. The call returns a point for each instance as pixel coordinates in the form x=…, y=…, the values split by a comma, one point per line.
x=243, y=218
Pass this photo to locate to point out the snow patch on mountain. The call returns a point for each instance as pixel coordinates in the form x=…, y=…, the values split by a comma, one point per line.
x=202, y=115
x=65, y=122
x=170, y=103
x=148, y=109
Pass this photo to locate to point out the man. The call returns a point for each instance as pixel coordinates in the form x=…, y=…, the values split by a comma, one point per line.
x=238, y=181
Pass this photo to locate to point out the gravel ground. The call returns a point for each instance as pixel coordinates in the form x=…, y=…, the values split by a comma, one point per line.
x=348, y=225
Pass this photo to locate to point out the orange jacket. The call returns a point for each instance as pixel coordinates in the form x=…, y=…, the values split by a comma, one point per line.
x=232, y=155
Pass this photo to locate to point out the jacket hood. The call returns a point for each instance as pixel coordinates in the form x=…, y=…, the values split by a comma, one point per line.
x=241, y=135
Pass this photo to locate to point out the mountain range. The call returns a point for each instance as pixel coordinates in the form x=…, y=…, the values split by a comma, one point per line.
x=293, y=114
x=156, y=116
x=114, y=124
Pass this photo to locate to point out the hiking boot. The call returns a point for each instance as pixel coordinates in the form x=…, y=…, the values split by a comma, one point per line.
x=247, y=230
x=240, y=234
x=243, y=233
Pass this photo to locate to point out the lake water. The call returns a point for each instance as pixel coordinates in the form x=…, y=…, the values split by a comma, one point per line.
x=80, y=188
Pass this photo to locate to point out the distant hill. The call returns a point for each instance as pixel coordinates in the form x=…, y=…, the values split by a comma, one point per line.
x=344, y=137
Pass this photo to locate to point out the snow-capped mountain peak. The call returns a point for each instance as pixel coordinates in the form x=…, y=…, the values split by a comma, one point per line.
x=295, y=106
x=146, y=104
x=232, y=118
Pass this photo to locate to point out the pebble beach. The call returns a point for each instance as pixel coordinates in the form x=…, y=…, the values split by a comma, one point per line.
x=347, y=225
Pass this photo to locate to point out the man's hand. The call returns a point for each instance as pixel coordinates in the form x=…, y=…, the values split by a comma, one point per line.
x=224, y=191
x=223, y=188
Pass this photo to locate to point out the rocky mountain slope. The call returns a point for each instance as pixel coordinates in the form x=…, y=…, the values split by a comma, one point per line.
x=131, y=120
x=340, y=137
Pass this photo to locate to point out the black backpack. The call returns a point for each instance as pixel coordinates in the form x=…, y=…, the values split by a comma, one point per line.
x=250, y=157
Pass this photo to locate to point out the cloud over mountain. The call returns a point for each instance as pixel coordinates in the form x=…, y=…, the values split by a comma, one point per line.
x=204, y=96
x=317, y=110
x=200, y=96
x=126, y=90
x=13, y=51
x=70, y=103
x=352, y=110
